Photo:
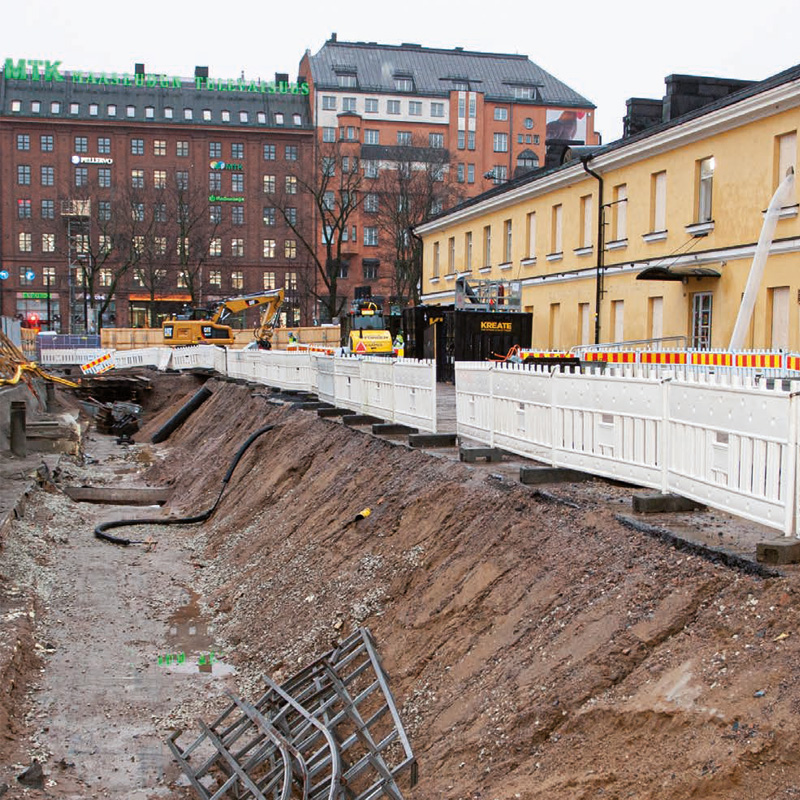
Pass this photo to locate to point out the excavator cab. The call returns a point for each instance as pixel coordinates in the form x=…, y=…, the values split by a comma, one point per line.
x=368, y=334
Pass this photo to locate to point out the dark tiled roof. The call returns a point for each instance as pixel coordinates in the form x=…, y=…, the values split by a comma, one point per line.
x=434, y=70
x=788, y=75
x=187, y=96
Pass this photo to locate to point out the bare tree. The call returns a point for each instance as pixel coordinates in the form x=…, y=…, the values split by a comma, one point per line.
x=417, y=183
x=332, y=182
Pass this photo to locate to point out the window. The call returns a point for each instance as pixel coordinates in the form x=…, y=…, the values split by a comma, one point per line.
x=104, y=210
x=500, y=114
x=435, y=270
x=507, y=241
x=237, y=150
x=404, y=137
x=207, y=115
x=182, y=181
x=524, y=93
x=237, y=248
x=23, y=209
x=348, y=133
x=104, y=178
x=225, y=115
x=268, y=248
x=215, y=149
x=46, y=143
x=291, y=215
x=48, y=209
x=705, y=183
x=23, y=141
x=329, y=134
x=500, y=173
x=237, y=182
x=372, y=137
x=24, y=175
x=169, y=112
x=269, y=281
x=487, y=246
x=470, y=140
x=371, y=203
x=555, y=229
x=243, y=116
x=160, y=178
x=392, y=106
x=25, y=243
x=160, y=212
x=470, y=173
x=187, y=113
x=237, y=280
x=586, y=221
x=137, y=147
x=137, y=212
x=111, y=110
x=291, y=184
x=81, y=144
x=49, y=276
x=269, y=152
x=215, y=214
x=214, y=181
x=437, y=109
x=130, y=111
x=500, y=142
x=370, y=236
x=658, y=201
x=328, y=102
x=55, y=107
x=81, y=176
x=237, y=215
x=786, y=151
x=215, y=246
x=269, y=215
x=290, y=248
x=290, y=281
x=269, y=184
x=370, y=169
x=327, y=234
x=404, y=84
x=348, y=104
x=531, y=248
x=182, y=149
x=369, y=269
x=290, y=152
x=371, y=105
x=460, y=172
x=137, y=178
x=183, y=277
x=103, y=145
x=415, y=108
x=472, y=105
x=329, y=200
x=215, y=279
x=149, y=112
x=436, y=139
x=48, y=176
x=462, y=140
x=261, y=116
x=347, y=81
x=619, y=215
x=451, y=255
x=26, y=276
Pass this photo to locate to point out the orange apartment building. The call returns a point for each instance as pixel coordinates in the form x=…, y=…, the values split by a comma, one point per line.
x=489, y=116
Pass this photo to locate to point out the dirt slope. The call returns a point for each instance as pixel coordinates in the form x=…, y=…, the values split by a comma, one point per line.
x=538, y=651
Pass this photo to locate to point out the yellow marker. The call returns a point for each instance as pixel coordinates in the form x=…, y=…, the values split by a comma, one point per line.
x=363, y=514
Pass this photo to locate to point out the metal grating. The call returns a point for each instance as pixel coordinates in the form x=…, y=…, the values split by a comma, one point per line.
x=330, y=731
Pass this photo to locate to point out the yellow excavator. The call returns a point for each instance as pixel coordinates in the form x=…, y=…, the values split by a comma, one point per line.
x=206, y=325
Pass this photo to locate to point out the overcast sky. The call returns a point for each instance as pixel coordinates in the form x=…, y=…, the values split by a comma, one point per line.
x=607, y=51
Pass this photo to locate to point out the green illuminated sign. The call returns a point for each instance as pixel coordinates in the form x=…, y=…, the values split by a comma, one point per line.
x=35, y=295
x=216, y=198
x=226, y=165
x=39, y=70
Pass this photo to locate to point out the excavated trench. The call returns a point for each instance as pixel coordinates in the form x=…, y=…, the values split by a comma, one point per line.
x=536, y=649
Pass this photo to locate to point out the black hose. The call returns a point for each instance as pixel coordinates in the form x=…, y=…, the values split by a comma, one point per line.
x=181, y=415
x=100, y=530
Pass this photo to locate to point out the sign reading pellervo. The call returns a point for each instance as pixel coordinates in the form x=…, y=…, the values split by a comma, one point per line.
x=491, y=325
x=91, y=160
x=36, y=69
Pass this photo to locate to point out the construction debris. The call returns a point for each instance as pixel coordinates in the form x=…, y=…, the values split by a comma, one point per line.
x=14, y=366
x=330, y=731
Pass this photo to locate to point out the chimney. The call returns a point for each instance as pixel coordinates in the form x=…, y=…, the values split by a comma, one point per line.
x=138, y=69
x=642, y=113
x=333, y=36
x=201, y=72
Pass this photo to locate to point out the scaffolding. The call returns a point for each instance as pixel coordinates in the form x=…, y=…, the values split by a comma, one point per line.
x=488, y=295
x=77, y=216
x=330, y=732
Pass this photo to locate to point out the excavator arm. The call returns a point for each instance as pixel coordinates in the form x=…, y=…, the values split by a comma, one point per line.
x=232, y=305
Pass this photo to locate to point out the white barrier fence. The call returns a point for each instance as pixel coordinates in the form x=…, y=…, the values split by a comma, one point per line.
x=726, y=441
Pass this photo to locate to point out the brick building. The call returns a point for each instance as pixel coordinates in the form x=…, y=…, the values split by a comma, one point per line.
x=134, y=194
x=485, y=116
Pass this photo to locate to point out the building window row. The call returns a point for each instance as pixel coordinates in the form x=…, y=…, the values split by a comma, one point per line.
x=372, y=105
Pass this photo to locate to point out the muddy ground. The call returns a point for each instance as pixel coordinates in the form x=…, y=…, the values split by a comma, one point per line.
x=537, y=650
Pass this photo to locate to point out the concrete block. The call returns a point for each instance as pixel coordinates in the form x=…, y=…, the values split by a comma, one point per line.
x=532, y=476
x=432, y=440
x=664, y=504
x=334, y=412
x=309, y=405
x=390, y=428
x=779, y=551
x=360, y=419
x=470, y=454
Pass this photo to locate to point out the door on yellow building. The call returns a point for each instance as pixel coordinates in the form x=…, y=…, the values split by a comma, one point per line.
x=779, y=312
x=701, y=321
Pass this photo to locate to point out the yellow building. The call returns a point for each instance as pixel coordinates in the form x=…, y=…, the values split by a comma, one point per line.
x=682, y=205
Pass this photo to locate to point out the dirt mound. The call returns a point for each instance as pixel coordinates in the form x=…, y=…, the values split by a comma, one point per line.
x=537, y=651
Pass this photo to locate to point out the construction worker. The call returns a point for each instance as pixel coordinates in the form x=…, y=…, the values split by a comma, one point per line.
x=399, y=345
x=292, y=339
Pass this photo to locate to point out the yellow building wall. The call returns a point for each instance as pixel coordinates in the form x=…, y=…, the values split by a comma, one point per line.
x=745, y=177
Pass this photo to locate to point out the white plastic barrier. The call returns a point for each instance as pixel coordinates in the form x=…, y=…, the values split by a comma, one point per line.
x=159, y=357
x=323, y=366
x=726, y=441
x=73, y=356
x=201, y=356
x=415, y=393
x=347, y=383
